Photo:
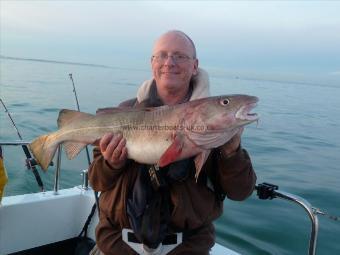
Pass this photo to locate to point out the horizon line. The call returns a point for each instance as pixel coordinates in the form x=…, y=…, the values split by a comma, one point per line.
x=67, y=63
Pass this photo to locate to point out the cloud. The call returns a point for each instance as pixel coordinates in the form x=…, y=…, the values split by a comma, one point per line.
x=247, y=32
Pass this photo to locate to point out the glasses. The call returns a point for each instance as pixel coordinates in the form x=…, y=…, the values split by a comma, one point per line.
x=177, y=58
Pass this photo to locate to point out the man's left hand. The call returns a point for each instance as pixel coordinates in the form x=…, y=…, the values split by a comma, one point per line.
x=230, y=147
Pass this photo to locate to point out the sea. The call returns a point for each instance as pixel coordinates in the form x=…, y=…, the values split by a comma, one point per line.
x=295, y=145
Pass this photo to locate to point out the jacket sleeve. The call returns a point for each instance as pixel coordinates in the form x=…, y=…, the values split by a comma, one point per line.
x=101, y=175
x=235, y=174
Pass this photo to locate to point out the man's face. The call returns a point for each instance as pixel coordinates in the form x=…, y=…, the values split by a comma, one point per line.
x=169, y=74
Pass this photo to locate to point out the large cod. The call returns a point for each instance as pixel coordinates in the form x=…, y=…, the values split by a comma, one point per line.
x=159, y=135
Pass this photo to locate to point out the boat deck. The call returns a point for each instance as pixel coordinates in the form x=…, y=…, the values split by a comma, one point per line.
x=39, y=219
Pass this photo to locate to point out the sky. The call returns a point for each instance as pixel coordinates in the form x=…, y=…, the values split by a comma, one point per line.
x=270, y=36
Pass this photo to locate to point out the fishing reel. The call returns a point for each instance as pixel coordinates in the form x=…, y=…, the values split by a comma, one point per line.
x=32, y=162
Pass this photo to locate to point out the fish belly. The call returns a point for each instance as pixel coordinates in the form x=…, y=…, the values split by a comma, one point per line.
x=147, y=148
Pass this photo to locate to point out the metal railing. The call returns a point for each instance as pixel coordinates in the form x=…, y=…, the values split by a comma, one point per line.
x=15, y=143
x=32, y=162
x=270, y=191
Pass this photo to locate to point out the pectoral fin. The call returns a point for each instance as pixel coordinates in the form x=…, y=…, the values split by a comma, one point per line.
x=72, y=149
x=173, y=152
x=199, y=160
x=198, y=133
x=211, y=140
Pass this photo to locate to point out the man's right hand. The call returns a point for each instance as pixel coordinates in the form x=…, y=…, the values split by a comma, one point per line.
x=113, y=149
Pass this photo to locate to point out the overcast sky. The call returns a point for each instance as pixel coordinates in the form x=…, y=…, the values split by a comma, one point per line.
x=285, y=35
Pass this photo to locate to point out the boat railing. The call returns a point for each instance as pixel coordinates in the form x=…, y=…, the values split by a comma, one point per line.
x=32, y=162
x=15, y=143
x=264, y=191
x=270, y=191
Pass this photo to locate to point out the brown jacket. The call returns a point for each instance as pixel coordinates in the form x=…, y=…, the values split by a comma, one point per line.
x=195, y=205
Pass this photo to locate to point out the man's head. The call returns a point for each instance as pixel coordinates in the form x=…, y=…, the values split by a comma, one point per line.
x=174, y=62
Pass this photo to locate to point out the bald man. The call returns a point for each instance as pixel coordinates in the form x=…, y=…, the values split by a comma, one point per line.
x=150, y=210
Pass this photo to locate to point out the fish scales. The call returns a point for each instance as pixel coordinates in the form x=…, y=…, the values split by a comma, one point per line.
x=158, y=135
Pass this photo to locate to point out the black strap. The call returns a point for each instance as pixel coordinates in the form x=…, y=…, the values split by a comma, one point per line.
x=156, y=217
x=149, y=204
x=219, y=193
x=156, y=178
x=96, y=197
x=87, y=223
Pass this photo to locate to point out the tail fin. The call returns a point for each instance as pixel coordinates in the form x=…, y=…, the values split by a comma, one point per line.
x=43, y=150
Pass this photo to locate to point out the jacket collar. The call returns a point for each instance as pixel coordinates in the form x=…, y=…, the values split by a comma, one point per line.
x=200, y=87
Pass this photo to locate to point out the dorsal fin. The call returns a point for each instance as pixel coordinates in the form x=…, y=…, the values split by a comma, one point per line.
x=67, y=116
x=112, y=110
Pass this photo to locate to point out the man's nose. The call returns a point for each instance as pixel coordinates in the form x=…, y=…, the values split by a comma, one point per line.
x=169, y=61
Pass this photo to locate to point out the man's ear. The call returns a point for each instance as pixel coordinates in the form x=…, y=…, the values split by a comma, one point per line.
x=195, y=72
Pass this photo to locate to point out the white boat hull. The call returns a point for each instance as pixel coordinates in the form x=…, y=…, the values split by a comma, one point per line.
x=32, y=220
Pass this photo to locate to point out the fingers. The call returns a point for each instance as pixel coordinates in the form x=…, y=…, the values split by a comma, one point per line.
x=234, y=142
x=109, y=142
x=113, y=149
x=123, y=155
x=230, y=147
x=236, y=139
x=104, y=141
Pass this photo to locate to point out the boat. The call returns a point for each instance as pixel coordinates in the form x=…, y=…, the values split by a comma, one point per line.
x=50, y=222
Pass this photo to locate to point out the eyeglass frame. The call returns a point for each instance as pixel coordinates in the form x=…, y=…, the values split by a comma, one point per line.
x=162, y=57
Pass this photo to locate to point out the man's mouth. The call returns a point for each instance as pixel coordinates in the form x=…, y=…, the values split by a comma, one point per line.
x=169, y=73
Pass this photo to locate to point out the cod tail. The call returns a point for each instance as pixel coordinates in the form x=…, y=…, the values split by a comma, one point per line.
x=43, y=149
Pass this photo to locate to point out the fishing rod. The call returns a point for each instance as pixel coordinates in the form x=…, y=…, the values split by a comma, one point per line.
x=87, y=150
x=78, y=108
x=30, y=162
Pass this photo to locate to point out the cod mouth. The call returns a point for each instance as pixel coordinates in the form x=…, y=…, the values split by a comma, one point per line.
x=245, y=114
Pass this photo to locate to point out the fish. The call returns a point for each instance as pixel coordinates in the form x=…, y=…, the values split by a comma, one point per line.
x=154, y=135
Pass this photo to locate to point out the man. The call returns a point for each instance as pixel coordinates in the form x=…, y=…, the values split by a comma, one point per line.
x=180, y=205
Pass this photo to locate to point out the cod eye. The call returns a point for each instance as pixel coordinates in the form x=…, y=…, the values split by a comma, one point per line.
x=224, y=101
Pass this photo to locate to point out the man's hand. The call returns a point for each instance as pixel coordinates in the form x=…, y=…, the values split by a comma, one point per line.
x=113, y=149
x=230, y=147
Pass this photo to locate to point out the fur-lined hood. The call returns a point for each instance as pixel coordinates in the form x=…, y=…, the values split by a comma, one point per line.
x=201, y=87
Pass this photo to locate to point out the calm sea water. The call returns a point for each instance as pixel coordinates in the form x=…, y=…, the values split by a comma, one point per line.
x=296, y=145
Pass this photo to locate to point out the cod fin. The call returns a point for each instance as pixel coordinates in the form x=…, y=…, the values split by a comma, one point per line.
x=172, y=153
x=112, y=110
x=72, y=149
x=43, y=150
x=199, y=160
x=119, y=109
x=67, y=116
x=211, y=140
